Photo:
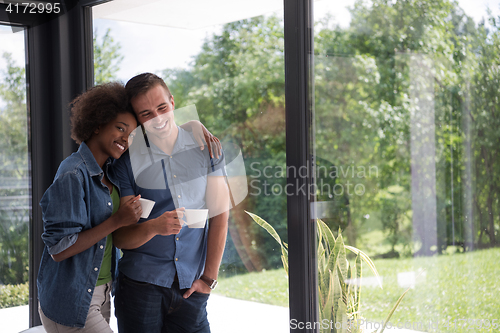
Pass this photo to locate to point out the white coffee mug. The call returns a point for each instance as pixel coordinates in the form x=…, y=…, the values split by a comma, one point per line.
x=147, y=207
x=196, y=218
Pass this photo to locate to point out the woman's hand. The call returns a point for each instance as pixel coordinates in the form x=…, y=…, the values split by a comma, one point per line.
x=214, y=146
x=129, y=212
x=202, y=136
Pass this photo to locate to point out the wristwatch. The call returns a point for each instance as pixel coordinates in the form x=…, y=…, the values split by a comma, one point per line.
x=212, y=283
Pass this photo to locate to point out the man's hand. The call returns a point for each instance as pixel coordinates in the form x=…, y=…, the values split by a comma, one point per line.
x=198, y=286
x=169, y=223
x=129, y=212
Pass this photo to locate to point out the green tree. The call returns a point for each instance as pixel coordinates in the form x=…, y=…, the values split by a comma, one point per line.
x=13, y=124
x=463, y=62
x=107, y=57
x=14, y=175
x=484, y=115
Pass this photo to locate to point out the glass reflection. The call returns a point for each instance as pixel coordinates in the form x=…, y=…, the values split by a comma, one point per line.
x=408, y=91
x=232, y=74
x=15, y=182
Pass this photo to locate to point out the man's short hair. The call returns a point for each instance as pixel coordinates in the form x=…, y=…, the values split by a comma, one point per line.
x=141, y=83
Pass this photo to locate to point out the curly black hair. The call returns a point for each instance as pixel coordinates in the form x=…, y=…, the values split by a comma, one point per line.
x=97, y=107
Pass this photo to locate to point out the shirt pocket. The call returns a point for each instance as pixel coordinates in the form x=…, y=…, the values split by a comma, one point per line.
x=192, y=185
x=151, y=178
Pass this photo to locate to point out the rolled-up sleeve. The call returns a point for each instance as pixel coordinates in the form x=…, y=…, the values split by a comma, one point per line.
x=64, y=212
x=217, y=166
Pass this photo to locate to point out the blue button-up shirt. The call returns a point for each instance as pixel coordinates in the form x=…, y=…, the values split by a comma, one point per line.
x=172, y=181
x=76, y=201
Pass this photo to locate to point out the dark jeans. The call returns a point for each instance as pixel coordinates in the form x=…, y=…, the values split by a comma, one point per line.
x=143, y=307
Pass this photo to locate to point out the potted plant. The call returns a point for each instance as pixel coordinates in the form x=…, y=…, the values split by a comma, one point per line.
x=339, y=281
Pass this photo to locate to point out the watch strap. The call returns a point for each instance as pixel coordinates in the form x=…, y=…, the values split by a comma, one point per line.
x=211, y=283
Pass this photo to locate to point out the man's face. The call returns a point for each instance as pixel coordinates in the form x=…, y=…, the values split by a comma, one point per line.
x=154, y=110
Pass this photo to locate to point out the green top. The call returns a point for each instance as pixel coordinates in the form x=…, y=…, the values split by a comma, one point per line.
x=105, y=272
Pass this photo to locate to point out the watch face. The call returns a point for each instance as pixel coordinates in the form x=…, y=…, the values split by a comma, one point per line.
x=214, y=284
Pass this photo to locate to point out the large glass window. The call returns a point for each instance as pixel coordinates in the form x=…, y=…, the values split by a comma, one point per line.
x=15, y=182
x=226, y=60
x=407, y=164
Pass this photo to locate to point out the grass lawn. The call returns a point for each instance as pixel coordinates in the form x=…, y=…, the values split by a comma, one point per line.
x=452, y=288
x=270, y=287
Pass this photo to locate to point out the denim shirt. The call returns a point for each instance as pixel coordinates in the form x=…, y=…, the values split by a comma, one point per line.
x=172, y=181
x=76, y=201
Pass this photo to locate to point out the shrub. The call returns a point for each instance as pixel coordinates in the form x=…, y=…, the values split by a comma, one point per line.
x=14, y=295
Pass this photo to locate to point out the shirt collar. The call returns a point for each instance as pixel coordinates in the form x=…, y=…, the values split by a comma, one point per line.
x=88, y=158
x=184, y=139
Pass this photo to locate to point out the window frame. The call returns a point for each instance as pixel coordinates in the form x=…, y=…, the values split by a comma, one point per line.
x=299, y=102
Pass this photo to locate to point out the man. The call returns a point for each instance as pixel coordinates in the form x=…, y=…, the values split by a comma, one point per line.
x=168, y=270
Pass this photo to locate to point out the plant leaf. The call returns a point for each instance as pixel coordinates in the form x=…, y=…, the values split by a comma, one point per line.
x=367, y=260
x=266, y=226
x=394, y=309
x=284, y=259
x=328, y=235
x=274, y=234
x=339, y=251
x=337, y=290
x=341, y=316
x=358, y=282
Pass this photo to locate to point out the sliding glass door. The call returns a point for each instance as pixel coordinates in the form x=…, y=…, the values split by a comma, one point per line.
x=408, y=166
x=224, y=65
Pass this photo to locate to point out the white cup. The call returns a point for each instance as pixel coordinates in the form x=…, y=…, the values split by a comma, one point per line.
x=196, y=218
x=147, y=207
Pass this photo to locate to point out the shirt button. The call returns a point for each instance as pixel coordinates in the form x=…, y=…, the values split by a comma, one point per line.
x=177, y=238
x=101, y=247
x=176, y=259
x=109, y=203
x=96, y=269
x=175, y=176
x=90, y=290
x=179, y=196
x=170, y=156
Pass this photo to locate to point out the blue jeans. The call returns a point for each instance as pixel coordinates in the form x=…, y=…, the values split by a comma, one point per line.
x=142, y=307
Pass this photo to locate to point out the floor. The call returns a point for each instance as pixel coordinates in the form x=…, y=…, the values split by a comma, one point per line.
x=226, y=315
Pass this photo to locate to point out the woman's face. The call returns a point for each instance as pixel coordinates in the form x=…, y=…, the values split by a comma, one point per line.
x=113, y=138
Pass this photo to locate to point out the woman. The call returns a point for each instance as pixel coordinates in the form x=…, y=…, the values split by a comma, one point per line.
x=80, y=211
